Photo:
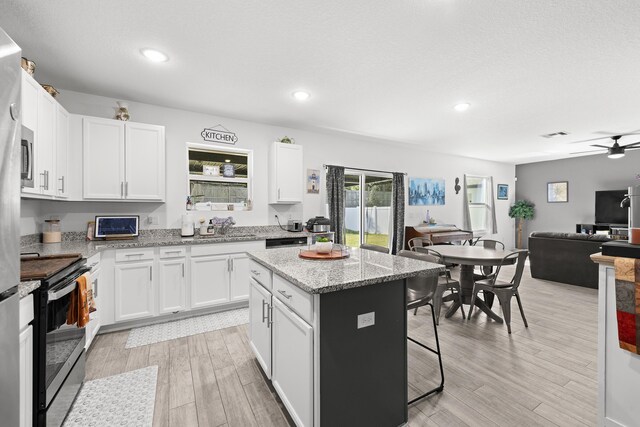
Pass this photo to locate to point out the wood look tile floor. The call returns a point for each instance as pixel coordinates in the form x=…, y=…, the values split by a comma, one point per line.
x=541, y=375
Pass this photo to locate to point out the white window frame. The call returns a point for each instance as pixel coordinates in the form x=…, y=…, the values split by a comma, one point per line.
x=486, y=205
x=208, y=206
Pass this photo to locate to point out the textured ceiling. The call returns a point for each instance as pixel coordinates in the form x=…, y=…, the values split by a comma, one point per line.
x=388, y=70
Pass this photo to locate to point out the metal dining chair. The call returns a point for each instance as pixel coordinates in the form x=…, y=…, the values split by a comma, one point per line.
x=419, y=242
x=486, y=271
x=445, y=282
x=420, y=292
x=504, y=290
x=376, y=248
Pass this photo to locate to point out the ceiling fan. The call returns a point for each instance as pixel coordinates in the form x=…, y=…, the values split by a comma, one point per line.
x=615, y=151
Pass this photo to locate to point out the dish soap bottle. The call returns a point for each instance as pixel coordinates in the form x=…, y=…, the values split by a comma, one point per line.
x=428, y=219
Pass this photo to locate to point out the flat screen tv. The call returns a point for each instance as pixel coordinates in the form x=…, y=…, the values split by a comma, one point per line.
x=608, y=210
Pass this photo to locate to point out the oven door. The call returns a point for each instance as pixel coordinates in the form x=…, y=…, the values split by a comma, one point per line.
x=26, y=144
x=64, y=343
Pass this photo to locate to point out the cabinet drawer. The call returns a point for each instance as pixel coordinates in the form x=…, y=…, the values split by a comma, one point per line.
x=260, y=273
x=134, y=254
x=226, y=248
x=293, y=297
x=173, y=252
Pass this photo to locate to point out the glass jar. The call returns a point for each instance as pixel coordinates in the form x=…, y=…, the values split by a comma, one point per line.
x=52, y=231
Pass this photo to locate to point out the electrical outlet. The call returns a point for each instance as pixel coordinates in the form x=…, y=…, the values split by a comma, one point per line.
x=367, y=319
x=152, y=220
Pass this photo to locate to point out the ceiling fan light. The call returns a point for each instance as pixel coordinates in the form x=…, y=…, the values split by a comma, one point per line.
x=616, y=152
x=615, y=155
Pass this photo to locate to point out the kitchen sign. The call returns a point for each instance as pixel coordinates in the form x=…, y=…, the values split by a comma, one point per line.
x=219, y=134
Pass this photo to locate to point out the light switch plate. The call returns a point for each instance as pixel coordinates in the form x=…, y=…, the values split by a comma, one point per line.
x=366, y=319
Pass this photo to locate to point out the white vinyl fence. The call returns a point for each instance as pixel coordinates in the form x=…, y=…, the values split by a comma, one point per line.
x=377, y=219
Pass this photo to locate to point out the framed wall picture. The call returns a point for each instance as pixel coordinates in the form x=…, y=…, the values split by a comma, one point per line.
x=426, y=191
x=313, y=181
x=503, y=191
x=558, y=192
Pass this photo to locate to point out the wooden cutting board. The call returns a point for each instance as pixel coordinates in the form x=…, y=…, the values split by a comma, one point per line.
x=36, y=268
x=334, y=254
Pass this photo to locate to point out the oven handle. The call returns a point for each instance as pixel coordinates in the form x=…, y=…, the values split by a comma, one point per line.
x=66, y=288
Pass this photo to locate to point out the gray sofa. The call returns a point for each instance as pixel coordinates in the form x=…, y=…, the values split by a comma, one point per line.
x=564, y=257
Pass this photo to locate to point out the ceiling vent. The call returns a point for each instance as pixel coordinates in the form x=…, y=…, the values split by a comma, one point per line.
x=555, y=134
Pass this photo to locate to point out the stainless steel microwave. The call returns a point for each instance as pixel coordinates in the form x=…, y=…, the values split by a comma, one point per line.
x=26, y=144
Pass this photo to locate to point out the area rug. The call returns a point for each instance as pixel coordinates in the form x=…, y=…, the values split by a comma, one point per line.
x=183, y=328
x=120, y=400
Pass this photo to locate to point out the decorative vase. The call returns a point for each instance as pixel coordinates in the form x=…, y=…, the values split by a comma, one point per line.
x=324, y=247
x=123, y=112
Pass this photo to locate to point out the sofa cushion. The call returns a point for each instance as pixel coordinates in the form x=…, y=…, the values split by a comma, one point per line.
x=571, y=236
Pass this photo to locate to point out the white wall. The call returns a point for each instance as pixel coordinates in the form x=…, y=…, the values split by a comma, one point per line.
x=184, y=126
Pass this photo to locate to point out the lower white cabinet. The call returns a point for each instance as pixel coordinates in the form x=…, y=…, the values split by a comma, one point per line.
x=172, y=284
x=209, y=280
x=134, y=291
x=260, y=324
x=292, y=363
x=26, y=376
x=239, y=280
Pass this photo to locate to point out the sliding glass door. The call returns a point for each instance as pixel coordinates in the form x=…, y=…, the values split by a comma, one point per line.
x=368, y=210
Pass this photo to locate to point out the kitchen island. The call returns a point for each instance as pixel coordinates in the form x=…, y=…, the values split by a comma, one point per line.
x=331, y=335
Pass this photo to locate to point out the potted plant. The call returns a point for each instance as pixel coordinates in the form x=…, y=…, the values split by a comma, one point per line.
x=286, y=140
x=521, y=210
x=324, y=245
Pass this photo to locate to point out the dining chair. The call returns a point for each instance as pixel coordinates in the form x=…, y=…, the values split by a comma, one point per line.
x=485, y=271
x=376, y=248
x=420, y=292
x=419, y=242
x=504, y=290
x=445, y=282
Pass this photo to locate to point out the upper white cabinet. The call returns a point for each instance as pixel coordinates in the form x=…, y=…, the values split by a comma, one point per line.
x=45, y=145
x=286, y=176
x=62, y=149
x=123, y=160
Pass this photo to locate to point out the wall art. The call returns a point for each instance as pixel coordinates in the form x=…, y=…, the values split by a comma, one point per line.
x=426, y=191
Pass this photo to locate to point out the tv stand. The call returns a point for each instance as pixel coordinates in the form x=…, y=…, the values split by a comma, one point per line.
x=597, y=227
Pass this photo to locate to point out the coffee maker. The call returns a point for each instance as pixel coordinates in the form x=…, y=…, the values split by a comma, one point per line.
x=632, y=201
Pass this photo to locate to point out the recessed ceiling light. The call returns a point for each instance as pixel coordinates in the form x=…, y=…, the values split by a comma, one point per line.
x=154, y=55
x=301, y=95
x=463, y=106
x=227, y=161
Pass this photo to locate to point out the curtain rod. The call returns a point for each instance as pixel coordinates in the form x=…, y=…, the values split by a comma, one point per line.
x=360, y=169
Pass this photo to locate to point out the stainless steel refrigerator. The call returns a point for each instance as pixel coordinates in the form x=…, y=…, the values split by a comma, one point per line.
x=9, y=229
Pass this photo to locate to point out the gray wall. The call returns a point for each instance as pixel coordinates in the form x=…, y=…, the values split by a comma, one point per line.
x=586, y=175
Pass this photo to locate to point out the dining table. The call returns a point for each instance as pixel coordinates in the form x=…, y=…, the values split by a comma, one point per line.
x=468, y=257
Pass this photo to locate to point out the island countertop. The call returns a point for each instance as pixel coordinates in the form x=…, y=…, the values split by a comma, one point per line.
x=362, y=268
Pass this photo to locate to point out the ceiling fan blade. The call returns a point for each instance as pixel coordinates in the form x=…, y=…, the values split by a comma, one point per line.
x=590, y=151
x=604, y=132
x=635, y=147
x=632, y=145
x=601, y=146
x=605, y=137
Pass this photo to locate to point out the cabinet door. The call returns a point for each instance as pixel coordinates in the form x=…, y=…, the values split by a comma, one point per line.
x=103, y=158
x=134, y=296
x=292, y=363
x=45, y=147
x=144, y=162
x=172, y=285
x=62, y=149
x=259, y=325
x=29, y=115
x=239, y=286
x=26, y=377
x=289, y=174
x=209, y=280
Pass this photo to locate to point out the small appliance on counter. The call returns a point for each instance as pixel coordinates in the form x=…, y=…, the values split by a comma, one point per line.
x=318, y=224
x=188, y=229
x=117, y=227
x=294, y=225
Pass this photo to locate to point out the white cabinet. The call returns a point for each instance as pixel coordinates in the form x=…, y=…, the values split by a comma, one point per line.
x=122, y=160
x=260, y=325
x=26, y=376
x=134, y=291
x=239, y=280
x=45, y=146
x=292, y=363
x=172, y=284
x=209, y=280
x=29, y=114
x=286, y=176
x=61, y=152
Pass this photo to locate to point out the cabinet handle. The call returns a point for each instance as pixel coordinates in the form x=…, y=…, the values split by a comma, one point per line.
x=95, y=288
x=228, y=264
x=232, y=267
x=182, y=269
x=61, y=179
x=284, y=294
x=121, y=189
x=278, y=193
x=172, y=252
x=126, y=189
x=270, y=314
x=150, y=274
x=263, y=316
x=43, y=184
x=133, y=255
x=47, y=172
x=256, y=272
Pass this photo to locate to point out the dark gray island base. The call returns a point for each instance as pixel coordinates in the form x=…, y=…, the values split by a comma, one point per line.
x=357, y=318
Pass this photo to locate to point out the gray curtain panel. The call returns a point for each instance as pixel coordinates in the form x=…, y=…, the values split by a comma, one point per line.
x=335, y=199
x=398, y=213
x=466, y=214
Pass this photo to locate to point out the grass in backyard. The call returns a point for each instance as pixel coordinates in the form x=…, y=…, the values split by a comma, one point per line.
x=353, y=240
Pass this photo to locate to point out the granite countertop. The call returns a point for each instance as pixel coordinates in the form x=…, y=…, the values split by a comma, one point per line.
x=362, y=268
x=153, y=238
x=25, y=288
